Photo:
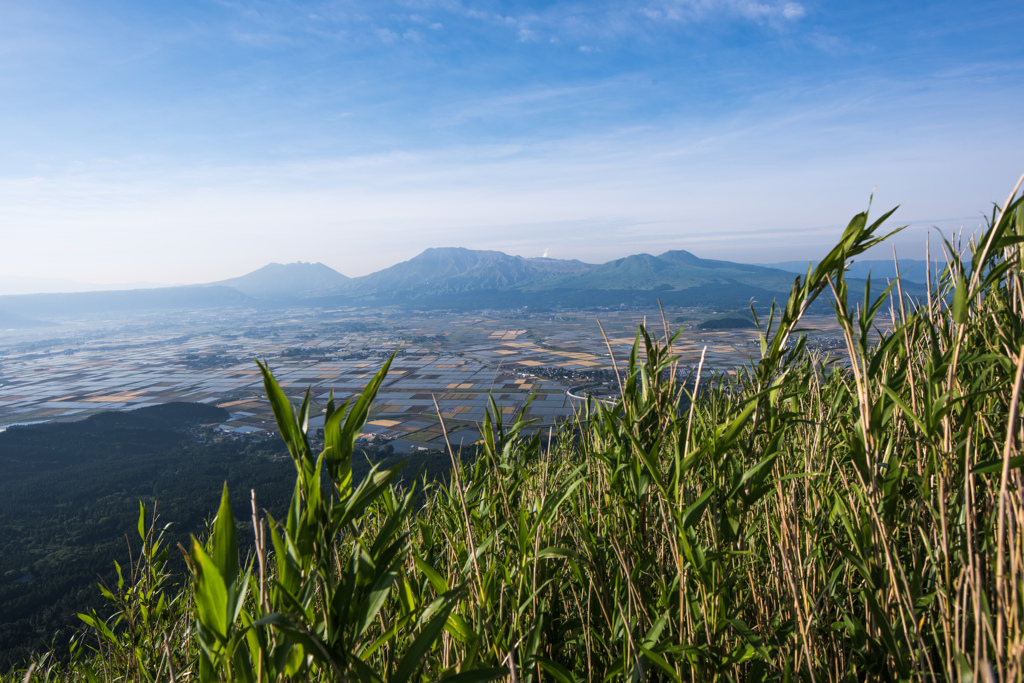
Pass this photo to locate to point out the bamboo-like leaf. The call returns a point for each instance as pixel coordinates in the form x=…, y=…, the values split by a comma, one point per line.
x=476, y=675
x=284, y=416
x=435, y=578
x=413, y=657
x=142, y=521
x=460, y=628
x=211, y=593
x=342, y=427
x=225, y=541
x=371, y=606
x=371, y=488
x=557, y=671
x=991, y=466
x=959, y=309
x=693, y=513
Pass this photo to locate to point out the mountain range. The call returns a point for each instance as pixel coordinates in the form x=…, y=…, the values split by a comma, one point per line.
x=446, y=278
x=37, y=285
x=455, y=277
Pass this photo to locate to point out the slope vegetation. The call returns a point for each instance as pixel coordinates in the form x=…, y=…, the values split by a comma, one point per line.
x=811, y=518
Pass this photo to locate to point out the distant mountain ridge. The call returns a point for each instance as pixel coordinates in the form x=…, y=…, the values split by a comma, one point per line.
x=452, y=278
x=453, y=270
x=43, y=306
x=10, y=285
x=455, y=277
x=674, y=271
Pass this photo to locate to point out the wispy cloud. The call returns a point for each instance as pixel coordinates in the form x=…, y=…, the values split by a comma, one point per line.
x=589, y=196
x=386, y=35
x=261, y=40
x=558, y=21
x=698, y=10
x=615, y=20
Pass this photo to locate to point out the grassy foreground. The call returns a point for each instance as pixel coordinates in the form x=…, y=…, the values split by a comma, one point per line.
x=856, y=519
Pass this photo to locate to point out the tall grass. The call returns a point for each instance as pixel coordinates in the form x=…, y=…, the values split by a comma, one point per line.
x=814, y=519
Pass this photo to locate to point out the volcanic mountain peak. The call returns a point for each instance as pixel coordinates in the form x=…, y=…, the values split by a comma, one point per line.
x=441, y=270
x=289, y=280
x=681, y=257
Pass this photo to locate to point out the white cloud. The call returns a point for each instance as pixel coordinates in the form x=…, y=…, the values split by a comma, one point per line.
x=696, y=10
x=387, y=35
x=792, y=10
x=827, y=42
x=609, y=19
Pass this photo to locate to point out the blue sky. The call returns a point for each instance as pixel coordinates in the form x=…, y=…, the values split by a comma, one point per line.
x=192, y=141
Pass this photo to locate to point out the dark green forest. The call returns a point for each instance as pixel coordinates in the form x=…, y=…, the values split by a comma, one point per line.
x=70, y=492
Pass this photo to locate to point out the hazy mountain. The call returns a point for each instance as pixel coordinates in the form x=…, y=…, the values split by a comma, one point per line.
x=454, y=270
x=880, y=270
x=674, y=271
x=98, y=303
x=685, y=258
x=288, y=281
x=455, y=277
x=38, y=285
x=463, y=279
x=10, y=321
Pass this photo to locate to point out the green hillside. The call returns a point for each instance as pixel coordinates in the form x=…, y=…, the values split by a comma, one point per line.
x=675, y=271
x=70, y=491
x=813, y=518
x=732, y=320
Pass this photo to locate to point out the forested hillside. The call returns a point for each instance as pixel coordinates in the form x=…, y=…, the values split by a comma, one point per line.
x=819, y=518
x=70, y=492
